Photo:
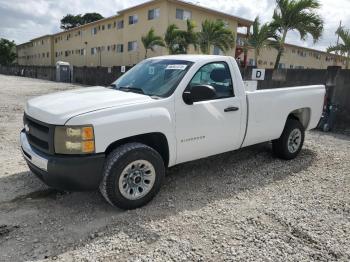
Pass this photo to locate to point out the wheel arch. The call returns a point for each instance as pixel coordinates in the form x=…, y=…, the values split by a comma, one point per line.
x=156, y=140
x=303, y=115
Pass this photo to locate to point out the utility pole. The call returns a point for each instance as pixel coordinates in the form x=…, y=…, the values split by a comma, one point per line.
x=85, y=53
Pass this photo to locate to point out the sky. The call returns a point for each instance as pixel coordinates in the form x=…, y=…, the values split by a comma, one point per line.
x=22, y=20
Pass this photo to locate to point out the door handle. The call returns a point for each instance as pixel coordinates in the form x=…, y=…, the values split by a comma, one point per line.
x=231, y=109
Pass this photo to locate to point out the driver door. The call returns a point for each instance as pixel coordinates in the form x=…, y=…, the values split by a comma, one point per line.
x=209, y=127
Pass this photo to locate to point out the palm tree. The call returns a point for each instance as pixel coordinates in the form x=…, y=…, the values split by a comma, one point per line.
x=296, y=15
x=174, y=40
x=214, y=33
x=259, y=38
x=151, y=40
x=343, y=48
x=178, y=41
x=191, y=37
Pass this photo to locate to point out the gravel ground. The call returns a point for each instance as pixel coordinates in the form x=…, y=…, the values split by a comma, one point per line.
x=245, y=205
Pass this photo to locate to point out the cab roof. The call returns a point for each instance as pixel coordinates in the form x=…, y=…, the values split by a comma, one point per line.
x=191, y=58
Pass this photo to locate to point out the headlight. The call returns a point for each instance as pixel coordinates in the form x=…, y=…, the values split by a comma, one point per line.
x=74, y=140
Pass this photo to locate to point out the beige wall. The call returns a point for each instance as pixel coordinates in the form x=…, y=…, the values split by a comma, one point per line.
x=67, y=46
x=24, y=52
x=36, y=52
x=199, y=16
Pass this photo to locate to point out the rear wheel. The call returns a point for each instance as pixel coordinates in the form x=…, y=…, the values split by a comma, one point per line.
x=132, y=176
x=291, y=141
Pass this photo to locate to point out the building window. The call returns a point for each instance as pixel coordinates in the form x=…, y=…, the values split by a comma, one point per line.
x=120, y=24
x=120, y=48
x=103, y=27
x=183, y=14
x=153, y=13
x=82, y=51
x=94, y=31
x=132, y=46
x=133, y=19
x=109, y=26
x=93, y=51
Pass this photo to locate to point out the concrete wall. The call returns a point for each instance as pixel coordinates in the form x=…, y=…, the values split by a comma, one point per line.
x=40, y=72
x=90, y=76
x=341, y=97
x=103, y=76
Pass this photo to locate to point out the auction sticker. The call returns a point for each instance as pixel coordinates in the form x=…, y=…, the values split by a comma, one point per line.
x=151, y=70
x=176, y=67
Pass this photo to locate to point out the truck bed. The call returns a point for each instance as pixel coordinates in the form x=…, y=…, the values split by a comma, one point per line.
x=268, y=110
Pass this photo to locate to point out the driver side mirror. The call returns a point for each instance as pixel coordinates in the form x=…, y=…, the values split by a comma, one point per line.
x=199, y=93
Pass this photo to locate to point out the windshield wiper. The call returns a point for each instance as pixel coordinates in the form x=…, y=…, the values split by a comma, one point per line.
x=131, y=89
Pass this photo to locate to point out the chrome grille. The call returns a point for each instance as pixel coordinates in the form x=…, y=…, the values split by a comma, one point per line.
x=40, y=135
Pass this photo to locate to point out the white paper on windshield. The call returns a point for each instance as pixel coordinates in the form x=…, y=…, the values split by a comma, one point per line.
x=176, y=67
x=151, y=70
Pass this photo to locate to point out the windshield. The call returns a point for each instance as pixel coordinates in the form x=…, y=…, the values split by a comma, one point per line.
x=155, y=77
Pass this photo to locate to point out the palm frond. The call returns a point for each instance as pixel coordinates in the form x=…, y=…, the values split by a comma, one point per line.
x=151, y=40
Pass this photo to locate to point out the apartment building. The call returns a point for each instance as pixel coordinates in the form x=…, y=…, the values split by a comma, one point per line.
x=116, y=40
x=294, y=57
x=36, y=52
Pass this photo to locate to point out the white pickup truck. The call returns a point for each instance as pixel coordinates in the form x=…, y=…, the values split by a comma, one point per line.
x=163, y=112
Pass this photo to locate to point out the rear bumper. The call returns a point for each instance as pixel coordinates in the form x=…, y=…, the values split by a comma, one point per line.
x=72, y=173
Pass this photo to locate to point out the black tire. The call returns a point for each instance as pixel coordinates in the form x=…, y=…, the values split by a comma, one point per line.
x=281, y=146
x=117, y=161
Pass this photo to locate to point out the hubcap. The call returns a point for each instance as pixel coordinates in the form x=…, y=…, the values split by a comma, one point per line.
x=137, y=179
x=294, y=141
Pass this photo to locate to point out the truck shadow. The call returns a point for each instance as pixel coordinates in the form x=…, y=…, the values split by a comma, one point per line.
x=53, y=216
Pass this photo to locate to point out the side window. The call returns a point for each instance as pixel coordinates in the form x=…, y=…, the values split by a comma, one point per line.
x=216, y=75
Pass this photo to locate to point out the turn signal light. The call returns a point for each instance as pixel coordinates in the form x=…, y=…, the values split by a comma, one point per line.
x=87, y=133
x=88, y=146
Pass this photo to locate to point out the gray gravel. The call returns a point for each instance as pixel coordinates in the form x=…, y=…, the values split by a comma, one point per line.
x=244, y=205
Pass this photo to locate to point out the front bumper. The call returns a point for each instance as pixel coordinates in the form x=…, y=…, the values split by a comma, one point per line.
x=72, y=173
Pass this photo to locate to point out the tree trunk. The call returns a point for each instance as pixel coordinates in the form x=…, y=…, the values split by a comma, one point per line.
x=278, y=58
x=347, y=61
x=208, y=48
x=245, y=58
x=146, y=53
x=256, y=57
x=281, y=49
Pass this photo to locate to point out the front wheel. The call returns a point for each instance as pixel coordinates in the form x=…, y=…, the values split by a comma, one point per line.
x=291, y=141
x=132, y=176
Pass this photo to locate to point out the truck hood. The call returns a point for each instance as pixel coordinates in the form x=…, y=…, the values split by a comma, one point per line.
x=58, y=108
